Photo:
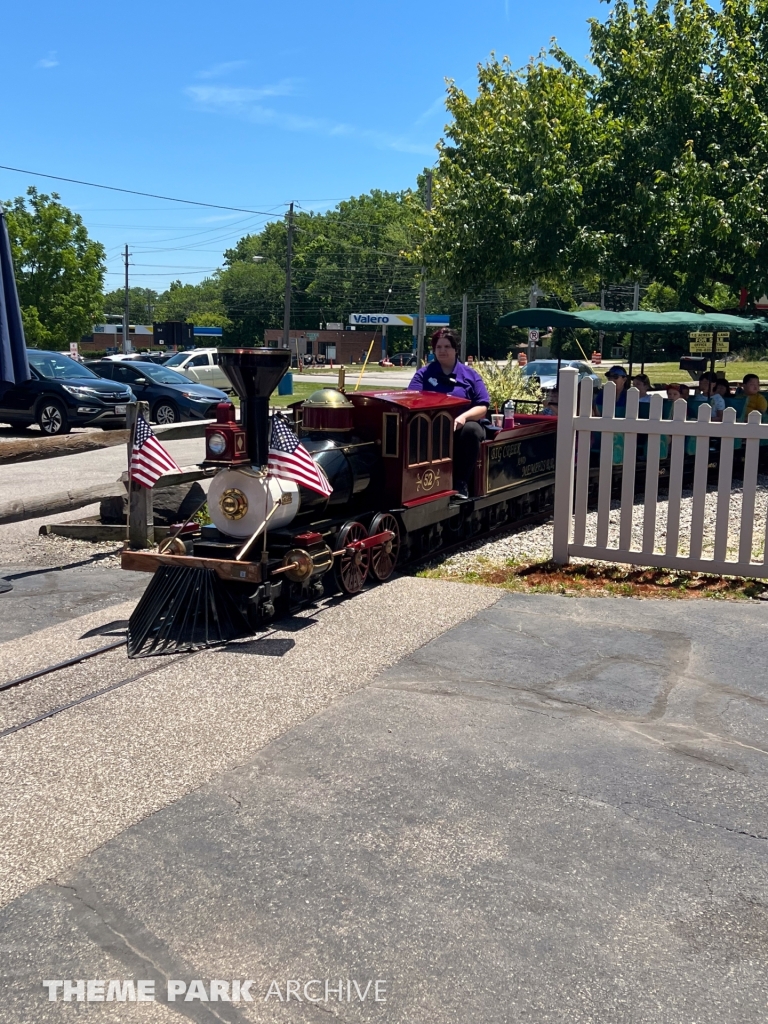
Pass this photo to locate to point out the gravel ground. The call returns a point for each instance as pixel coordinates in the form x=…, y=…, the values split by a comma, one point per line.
x=22, y=546
x=20, y=543
x=74, y=781
x=534, y=544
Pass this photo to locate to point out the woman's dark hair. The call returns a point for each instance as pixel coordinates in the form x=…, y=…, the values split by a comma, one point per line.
x=709, y=376
x=644, y=378
x=451, y=336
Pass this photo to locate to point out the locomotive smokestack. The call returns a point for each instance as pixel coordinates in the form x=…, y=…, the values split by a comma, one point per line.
x=255, y=373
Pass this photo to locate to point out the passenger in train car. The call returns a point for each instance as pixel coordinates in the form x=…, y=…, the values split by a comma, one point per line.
x=723, y=388
x=707, y=393
x=642, y=382
x=619, y=377
x=448, y=376
x=550, y=405
x=675, y=391
x=750, y=387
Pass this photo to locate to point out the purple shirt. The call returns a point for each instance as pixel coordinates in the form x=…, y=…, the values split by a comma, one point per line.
x=461, y=382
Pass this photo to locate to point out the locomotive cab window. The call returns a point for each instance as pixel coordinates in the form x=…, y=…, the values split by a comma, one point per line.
x=442, y=431
x=418, y=440
x=391, y=432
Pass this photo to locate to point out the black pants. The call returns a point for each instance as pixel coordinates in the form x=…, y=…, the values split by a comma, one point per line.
x=466, y=448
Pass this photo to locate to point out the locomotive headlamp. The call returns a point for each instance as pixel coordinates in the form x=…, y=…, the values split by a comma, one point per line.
x=217, y=443
x=225, y=439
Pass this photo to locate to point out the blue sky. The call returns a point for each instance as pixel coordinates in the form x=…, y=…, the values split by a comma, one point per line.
x=240, y=104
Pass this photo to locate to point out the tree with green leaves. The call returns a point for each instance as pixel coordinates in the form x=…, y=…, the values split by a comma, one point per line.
x=349, y=258
x=200, y=303
x=654, y=164
x=141, y=304
x=59, y=269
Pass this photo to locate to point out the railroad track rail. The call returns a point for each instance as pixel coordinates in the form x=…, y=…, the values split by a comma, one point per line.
x=160, y=662
x=164, y=661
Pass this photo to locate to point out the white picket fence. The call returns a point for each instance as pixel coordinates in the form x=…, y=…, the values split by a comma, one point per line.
x=724, y=532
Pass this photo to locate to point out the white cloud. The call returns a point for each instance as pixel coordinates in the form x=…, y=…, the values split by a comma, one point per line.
x=432, y=109
x=49, y=61
x=246, y=104
x=224, y=97
x=219, y=70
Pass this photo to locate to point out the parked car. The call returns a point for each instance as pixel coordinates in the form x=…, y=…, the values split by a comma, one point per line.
x=403, y=359
x=201, y=366
x=138, y=357
x=61, y=394
x=171, y=396
x=546, y=371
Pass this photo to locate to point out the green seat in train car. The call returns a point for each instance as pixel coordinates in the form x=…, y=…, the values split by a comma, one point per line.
x=643, y=413
x=737, y=402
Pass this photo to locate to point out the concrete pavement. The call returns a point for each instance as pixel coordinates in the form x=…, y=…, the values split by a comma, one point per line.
x=555, y=811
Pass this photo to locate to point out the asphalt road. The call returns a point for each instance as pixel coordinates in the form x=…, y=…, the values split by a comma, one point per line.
x=553, y=812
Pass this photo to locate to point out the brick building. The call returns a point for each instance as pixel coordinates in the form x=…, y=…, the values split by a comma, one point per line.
x=336, y=346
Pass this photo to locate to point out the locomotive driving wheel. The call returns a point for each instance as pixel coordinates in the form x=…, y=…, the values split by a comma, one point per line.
x=351, y=569
x=384, y=556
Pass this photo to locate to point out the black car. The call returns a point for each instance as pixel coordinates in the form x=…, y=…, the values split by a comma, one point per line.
x=172, y=397
x=62, y=394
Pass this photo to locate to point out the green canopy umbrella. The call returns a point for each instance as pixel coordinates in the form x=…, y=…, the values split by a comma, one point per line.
x=634, y=320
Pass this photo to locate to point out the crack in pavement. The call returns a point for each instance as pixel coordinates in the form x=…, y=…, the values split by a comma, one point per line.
x=118, y=938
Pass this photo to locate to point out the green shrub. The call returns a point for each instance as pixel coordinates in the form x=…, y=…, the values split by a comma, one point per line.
x=507, y=382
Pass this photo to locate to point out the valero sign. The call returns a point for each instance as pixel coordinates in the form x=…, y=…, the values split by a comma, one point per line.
x=396, y=319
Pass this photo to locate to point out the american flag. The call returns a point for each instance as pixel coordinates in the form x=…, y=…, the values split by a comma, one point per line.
x=290, y=460
x=149, y=460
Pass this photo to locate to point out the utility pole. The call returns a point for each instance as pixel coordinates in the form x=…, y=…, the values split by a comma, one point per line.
x=533, y=301
x=289, y=257
x=464, y=328
x=126, y=308
x=423, y=288
x=478, y=332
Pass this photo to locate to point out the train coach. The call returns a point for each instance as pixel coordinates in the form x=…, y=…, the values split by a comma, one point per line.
x=275, y=545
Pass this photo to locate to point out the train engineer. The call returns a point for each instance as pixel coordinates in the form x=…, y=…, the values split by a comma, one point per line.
x=447, y=375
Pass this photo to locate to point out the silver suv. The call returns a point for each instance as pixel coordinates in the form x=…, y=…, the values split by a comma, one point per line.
x=202, y=366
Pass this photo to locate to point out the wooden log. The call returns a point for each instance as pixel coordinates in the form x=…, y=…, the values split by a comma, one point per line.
x=32, y=449
x=94, y=531
x=68, y=501
x=54, y=504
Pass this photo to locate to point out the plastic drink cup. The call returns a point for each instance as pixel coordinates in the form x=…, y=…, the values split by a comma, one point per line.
x=497, y=419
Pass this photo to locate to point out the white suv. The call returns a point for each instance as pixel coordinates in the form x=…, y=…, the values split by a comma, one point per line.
x=202, y=366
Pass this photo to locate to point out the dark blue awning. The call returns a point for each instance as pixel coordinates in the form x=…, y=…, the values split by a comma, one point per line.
x=14, y=366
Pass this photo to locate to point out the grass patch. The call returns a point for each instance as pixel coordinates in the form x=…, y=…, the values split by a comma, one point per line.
x=601, y=581
x=668, y=373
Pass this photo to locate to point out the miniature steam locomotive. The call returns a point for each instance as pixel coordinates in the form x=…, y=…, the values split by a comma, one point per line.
x=274, y=545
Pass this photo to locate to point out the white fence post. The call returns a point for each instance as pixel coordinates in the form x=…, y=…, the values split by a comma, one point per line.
x=564, y=463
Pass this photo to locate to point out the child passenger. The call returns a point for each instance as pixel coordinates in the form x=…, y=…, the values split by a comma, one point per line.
x=708, y=393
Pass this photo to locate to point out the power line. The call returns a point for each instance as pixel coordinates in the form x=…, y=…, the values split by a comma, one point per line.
x=134, y=192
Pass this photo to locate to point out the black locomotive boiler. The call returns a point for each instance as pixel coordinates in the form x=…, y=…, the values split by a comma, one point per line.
x=274, y=546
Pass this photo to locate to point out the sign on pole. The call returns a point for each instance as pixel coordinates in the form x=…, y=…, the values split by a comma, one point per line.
x=533, y=337
x=703, y=341
x=397, y=319
x=73, y=350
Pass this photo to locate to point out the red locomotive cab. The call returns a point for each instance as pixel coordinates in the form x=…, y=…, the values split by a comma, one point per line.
x=415, y=430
